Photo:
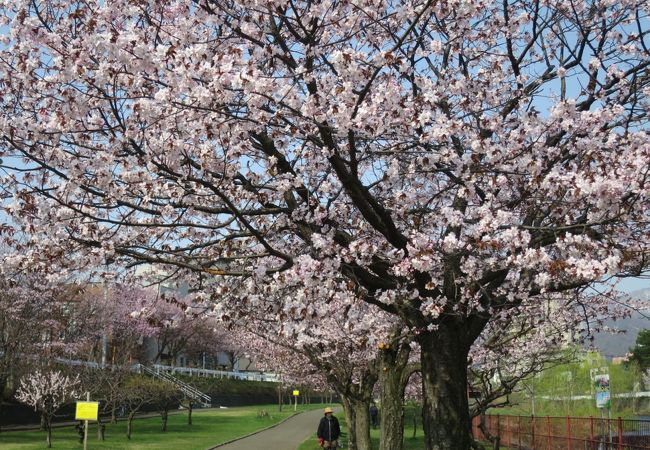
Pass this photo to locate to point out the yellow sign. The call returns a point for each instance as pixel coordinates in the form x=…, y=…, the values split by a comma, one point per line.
x=296, y=393
x=87, y=411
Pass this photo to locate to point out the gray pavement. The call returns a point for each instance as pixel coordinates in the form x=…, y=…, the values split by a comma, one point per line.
x=286, y=436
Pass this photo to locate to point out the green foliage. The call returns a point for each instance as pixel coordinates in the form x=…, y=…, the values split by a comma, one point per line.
x=226, y=386
x=549, y=392
x=641, y=350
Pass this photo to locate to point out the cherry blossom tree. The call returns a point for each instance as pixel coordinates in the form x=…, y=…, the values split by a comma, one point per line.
x=236, y=346
x=38, y=323
x=47, y=392
x=167, y=396
x=20, y=313
x=136, y=392
x=451, y=161
x=120, y=315
x=116, y=314
x=332, y=339
x=181, y=327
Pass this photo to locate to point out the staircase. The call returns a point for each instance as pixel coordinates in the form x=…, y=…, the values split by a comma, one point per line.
x=190, y=391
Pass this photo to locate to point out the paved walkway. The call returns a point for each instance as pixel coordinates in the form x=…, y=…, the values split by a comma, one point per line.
x=286, y=436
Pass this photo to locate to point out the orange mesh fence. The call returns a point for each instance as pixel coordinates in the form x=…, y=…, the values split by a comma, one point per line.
x=564, y=433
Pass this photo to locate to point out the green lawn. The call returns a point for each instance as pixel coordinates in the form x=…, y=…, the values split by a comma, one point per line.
x=210, y=427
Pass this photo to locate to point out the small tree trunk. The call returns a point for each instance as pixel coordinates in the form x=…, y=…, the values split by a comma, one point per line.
x=48, y=428
x=189, y=412
x=129, y=422
x=164, y=415
x=280, y=398
x=445, y=412
x=3, y=386
x=494, y=439
x=415, y=424
x=114, y=413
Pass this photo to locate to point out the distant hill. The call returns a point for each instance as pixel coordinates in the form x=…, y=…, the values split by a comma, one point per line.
x=612, y=345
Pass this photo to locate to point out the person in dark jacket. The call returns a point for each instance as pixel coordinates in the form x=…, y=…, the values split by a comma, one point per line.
x=329, y=430
x=374, y=415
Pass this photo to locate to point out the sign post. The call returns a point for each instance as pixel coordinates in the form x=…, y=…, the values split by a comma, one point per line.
x=604, y=399
x=86, y=411
x=295, y=396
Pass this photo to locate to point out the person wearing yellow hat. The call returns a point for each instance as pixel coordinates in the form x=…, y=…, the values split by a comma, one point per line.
x=329, y=430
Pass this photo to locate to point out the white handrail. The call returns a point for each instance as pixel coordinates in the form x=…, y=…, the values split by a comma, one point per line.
x=185, y=388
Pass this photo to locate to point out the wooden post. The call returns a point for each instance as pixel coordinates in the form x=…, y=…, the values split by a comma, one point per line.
x=532, y=427
x=568, y=432
x=499, y=427
x=620, y=433
x=86, y=426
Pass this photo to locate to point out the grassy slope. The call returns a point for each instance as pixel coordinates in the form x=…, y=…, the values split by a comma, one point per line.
x=574, y=379
x=210, y=427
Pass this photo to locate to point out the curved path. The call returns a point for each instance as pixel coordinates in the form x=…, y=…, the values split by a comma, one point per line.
x=287, y=435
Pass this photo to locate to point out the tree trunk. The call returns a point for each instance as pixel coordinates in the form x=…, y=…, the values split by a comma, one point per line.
x=189, y=412
x=100, y=429
x=48, y=428
x=114, y=413
x=351, y=421
x=280, y=398
x=445, y=412
x=495, y=440
x=392, y=411
x=164, y=416
x=4, y=380
x=129, y=422
x=393, y=361
x=362, y=423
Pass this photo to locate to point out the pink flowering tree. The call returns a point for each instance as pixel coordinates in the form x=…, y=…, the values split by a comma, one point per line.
x=47, y=392
x=292, y=368
x=39, y=322
x=22, y=308
x=120, y=314
x=344, y=339
x=449, y=160
x=116, y=324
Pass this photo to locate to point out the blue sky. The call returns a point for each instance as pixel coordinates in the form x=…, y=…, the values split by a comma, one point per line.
x=634, y=284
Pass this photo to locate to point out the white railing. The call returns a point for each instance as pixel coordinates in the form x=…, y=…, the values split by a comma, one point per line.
x=208, y=373
x=639, y=394
x=191, y=371
x=188, y=390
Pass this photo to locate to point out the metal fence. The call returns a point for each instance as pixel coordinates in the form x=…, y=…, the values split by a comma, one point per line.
x=565, y=433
